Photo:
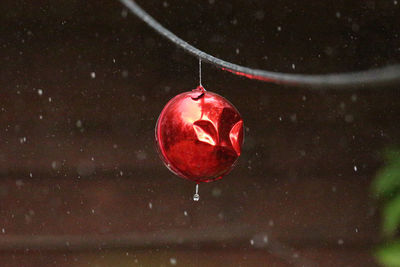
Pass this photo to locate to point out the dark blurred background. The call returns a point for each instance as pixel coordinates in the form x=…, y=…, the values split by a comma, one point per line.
x=83, y=82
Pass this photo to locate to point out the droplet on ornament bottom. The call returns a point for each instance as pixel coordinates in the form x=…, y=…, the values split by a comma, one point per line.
x=196, y=196
x=199, y=135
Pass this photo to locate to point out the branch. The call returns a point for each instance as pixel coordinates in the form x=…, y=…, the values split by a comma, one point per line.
x=369, y=78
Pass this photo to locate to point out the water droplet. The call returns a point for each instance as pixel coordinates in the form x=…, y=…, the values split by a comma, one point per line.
x=85, y=168
x=141, y=155
x=260, y=14
x=196, y=196
x=40, y=92
x=355, y=27
x=216, y=192
x=124, y=13
x=173, y=261
x=54, y=165
x=349, y=118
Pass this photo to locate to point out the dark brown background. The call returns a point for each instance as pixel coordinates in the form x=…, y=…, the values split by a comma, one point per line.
x=81, y=183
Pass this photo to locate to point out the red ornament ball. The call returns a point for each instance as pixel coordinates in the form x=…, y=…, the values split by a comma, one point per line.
x=199, y=135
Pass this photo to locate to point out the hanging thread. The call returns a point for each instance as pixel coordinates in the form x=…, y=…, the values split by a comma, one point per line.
x=200, y=72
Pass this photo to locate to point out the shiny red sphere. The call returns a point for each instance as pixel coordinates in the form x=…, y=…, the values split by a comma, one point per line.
x=199, y=135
